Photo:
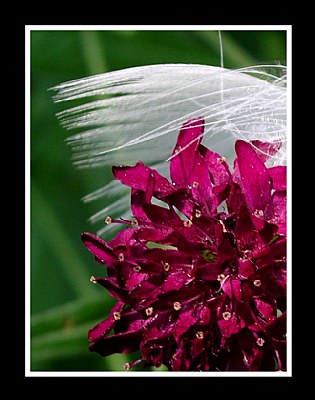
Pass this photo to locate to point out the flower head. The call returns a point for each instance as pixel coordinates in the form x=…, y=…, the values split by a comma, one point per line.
x=200, y=279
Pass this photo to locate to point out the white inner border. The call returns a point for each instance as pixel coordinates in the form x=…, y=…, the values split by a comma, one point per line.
x=28, y=30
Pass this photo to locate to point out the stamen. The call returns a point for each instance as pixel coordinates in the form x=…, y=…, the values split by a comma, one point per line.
x=259, y=213
x=149, y=311
x=166, y=266
x=260, y=341
x=177, y=306
x=108, y=220
x=226, y=315
x=116, y=315
x=220, y=277
x=187, y=223
x=127, y=367
x=198, y=213
x=135, y=223
x=199, y=335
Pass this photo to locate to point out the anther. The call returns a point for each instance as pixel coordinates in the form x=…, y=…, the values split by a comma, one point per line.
x=220, y=277
x=149, y=311
x=257, y=282
x=121, y=257
x=137, y=268
x=92, y=279
x=127, y=367
x=200, y=335
x=177, y=306
x=166, y=266
x=221, y=159
x=260, y=341
x=135, y=223
x=116, y=315
x=187, y=223
x=195, y=184
x=108, y=220
x=259, y=213
x=226, y=315
x=198, y=213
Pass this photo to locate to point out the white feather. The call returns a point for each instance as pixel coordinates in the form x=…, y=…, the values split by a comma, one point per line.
x=135, y=114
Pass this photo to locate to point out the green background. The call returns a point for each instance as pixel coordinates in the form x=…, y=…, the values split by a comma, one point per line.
x=64, y=304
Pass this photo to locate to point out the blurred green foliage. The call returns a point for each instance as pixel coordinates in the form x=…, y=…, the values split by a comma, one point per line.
x=64, y=304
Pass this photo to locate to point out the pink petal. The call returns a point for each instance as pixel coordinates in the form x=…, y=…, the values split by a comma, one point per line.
x=99, y=248
x=125, y=342
x=255, y=178
x=265, y=150
x=184, y=152
x=276, y=213
x=139, y=176
x=184, y=322
x=232, y=287
x=279, y=177
x=104, y=327
x=217, y=166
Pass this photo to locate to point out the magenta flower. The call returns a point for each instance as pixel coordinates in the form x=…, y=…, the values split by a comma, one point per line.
x=200, y=276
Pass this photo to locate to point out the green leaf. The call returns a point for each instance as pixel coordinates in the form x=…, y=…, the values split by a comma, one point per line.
x=70, y=315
